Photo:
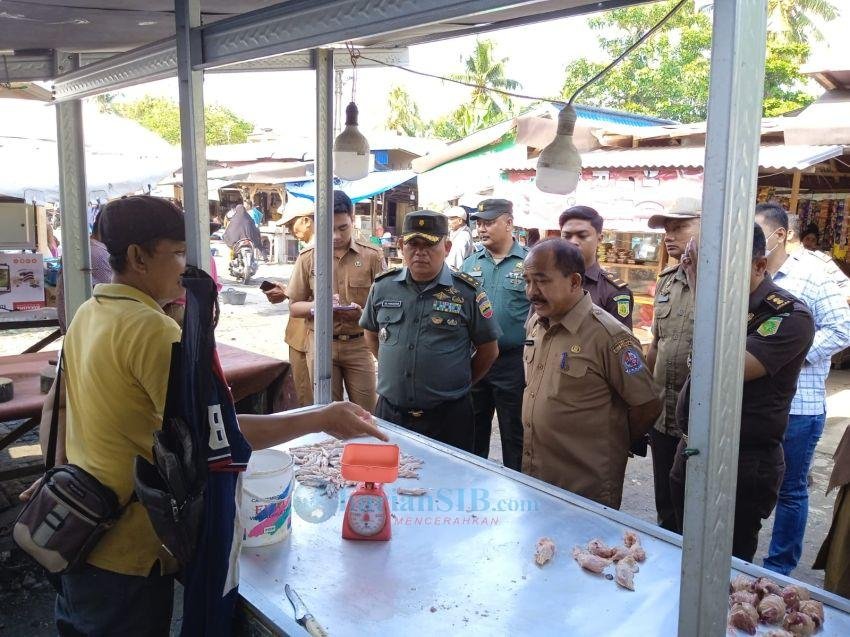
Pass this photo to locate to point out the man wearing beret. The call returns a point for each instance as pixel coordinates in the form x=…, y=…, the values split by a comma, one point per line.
x=498, y=269
x=434, y=334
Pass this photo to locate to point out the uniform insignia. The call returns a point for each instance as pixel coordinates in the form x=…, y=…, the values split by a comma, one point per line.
x=421, y=222
x=445, y=306
x=451, y=321
x=519, y=266
x=457, y=299
x=484, y=305
x=391, y=303
x=777, y=301
x=564, y=364
x=442, y=296
x=477, y=268
x=623, y=306
x=463, y=276
x=770, y=326
x=394, y=270
x=476, y=273
x=613, y=279
x=631, y=361
x=453, y=290
x=382, y=335
x=621, y=345
x=575, y=349
x=358, y=264
x=437, y=320
x=750, y=317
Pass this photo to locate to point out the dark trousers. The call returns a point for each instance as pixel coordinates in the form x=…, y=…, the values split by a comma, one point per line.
x=95, y=603
x=759, y=478
x=663, y=453
x=450, y=422
x=500, y=391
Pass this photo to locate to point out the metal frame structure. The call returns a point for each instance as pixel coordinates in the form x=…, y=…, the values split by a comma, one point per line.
x=731, y=149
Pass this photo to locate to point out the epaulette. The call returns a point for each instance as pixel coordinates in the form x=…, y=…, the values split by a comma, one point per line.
x=463, y=276
x=394, y=270
x=371, y=246
x=778, y=301
x=306, y=249
x=614, y=328
x=613, y=279
x=668, y=270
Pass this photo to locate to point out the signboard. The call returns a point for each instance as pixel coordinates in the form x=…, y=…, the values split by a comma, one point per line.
x=21, y=281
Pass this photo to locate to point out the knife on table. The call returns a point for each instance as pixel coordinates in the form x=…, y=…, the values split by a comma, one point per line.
x=302, y=615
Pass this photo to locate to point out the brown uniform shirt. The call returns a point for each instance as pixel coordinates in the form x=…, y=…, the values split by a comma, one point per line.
x=582, y=375
x=353, y=274
x=673, y=331
x=610, y=293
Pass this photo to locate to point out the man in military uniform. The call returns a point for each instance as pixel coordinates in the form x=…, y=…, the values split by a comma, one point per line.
x=355, y=266
x=498, y=269
x=423, y=322
x=582, y=226
x=589, y=394
x=780, y=330
x=298, y=218
x=672, y=332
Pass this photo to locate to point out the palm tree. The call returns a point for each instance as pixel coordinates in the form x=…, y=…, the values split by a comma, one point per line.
x=485, y=71
x=791, y=19
x=403, y=117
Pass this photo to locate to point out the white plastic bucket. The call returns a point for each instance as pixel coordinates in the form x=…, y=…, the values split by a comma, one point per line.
x=266, y=509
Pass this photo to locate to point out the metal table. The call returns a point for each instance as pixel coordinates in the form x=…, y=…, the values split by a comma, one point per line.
x=466, y=565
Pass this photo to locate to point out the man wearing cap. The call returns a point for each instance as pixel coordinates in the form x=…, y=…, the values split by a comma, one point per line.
x=582, y=226
x=434, y=335
x=355, y=266
x=116, y=361
x=672, y=334
x=459, y=236
x=498, y=269
x=298, y=218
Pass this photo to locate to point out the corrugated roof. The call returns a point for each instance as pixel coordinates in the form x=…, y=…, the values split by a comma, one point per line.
x=771, y=157
x=621, y=118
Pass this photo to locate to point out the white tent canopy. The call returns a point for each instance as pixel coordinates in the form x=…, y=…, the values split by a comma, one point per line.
x=122, y=157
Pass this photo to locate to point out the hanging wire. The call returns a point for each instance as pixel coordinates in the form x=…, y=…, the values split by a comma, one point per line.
x=353, y=53
x=356, y=53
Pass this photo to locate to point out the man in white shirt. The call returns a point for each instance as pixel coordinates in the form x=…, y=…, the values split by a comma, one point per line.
x=803, y=275
x=460, y=236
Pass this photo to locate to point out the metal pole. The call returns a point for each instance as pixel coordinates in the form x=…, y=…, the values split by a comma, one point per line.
x=187, y=16
x=732, y=145
x=70, y=144
x=323, y=263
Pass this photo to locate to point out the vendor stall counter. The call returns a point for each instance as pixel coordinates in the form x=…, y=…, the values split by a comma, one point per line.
x=461, y=561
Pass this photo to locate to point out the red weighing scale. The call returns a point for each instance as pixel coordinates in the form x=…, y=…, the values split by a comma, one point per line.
x=367, y=514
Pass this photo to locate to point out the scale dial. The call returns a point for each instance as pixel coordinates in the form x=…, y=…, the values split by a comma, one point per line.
x=366, y=514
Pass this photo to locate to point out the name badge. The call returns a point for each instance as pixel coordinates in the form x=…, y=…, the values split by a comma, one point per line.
x=477, y=273
x=391, y=303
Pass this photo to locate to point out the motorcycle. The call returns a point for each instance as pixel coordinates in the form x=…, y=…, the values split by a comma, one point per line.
x=243, y=261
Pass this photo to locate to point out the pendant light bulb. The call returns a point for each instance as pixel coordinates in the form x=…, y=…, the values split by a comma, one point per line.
x=351, y=149
x=559, y=165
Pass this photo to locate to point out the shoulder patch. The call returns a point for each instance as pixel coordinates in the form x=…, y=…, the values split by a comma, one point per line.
x=394, y=270
x=668, y=270
x=614, y=280
x=463, y=276
x=622, y=343
x=778, y=301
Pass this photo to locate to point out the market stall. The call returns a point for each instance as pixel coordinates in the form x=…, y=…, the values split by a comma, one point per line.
x=461, y=560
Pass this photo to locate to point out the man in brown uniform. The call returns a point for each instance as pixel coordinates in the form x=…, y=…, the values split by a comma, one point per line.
x=298, y=218
x=589, y=394
x=356, y=264
x=672, y=331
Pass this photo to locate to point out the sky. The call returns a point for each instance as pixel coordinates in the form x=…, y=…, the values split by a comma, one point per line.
x=537, y=56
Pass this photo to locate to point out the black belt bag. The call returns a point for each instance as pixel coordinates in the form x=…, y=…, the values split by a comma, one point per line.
x=69, y=512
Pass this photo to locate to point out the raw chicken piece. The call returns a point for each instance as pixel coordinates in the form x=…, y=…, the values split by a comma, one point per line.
x=771, y=609
x=799, y=624
x=778, y=632
x=598, y=547
x=545, y=551
x=620, y=552
x=637, y=552
x=813, y=609
x=744, y=617
x=589, y=561
x=793, y=595
x=744, y=597
x=740, y=583
x=765, y=586
x=630, y=538
x=625, y=573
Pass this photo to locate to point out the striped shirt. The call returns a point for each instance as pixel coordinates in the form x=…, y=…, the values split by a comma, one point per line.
x=805, y=276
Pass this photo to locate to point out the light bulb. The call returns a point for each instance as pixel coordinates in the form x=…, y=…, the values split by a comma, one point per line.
x=559, y=165
x=351, y=149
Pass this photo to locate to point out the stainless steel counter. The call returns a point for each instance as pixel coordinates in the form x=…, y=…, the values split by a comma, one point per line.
x=461, y=560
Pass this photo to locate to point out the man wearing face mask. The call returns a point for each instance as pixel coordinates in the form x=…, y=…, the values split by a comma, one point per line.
x=804, y=275
x=433, y=333
x=589, y=395
x=672, y=332
x=779, y=332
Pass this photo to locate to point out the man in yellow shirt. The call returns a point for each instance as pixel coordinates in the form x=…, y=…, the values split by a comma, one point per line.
x=116, y=359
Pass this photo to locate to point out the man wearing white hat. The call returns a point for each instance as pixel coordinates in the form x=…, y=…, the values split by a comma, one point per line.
x=298, y=217
x=460, y=236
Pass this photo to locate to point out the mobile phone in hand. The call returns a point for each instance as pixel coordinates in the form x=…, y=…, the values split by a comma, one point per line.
x=265, y=286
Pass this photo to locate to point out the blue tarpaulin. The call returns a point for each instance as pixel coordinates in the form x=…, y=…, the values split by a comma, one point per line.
x=372, y=184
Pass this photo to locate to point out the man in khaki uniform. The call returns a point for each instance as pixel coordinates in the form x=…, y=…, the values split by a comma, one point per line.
x=588, y=394
x=298, y=217
x=672, y=332
x=355, y=266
